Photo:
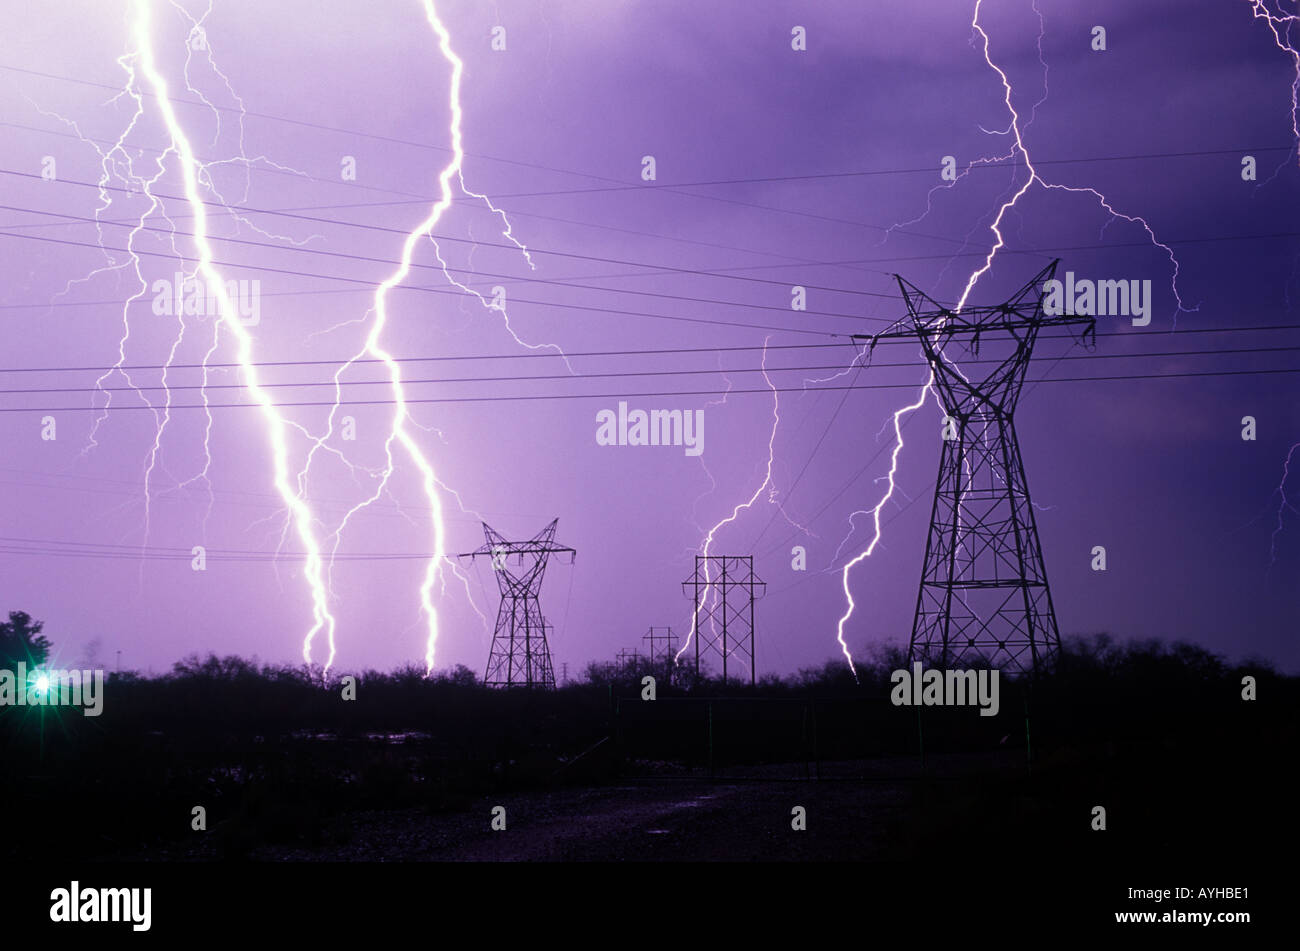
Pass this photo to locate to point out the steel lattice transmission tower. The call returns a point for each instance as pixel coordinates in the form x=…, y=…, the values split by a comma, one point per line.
x=657, y=636
x=662, y=650
x=520, y=655
x=730, y=607
x=984, y=596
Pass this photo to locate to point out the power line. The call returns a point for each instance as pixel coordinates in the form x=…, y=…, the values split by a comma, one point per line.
x=670, y=188
x=621, y=374
x=174, y=494
x=149, y=554
x=862, y=173
x=694, y=272
x=1040, y=252
x=434, y=290
x=821, y=439
x=627, y=396
x=835, y=497
x=170, y=495
x=422, y=199
x=596, y=353
x=566, y=283
x=150, y=94
x=439, y=359
x=413, y=195
x=440, y=148
x=449, y=268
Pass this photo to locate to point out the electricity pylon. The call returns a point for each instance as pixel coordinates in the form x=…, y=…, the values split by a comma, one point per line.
x=520, y=656
x=662, y=649
x=730, y=607
x=984, y=596
x=657, y=636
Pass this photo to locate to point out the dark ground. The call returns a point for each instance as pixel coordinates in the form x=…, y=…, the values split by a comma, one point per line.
x=287, y=770
x=886, y=809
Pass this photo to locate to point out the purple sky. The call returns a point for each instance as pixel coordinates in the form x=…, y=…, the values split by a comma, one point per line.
x=555, y=128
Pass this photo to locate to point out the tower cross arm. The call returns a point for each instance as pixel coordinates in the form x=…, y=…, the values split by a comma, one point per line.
x=518, y=548
x=1023, y=311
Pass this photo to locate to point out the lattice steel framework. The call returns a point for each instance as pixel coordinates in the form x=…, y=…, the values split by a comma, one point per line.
x=984, y=596
x=725, y=588
x=657, y=636
x=520, y=655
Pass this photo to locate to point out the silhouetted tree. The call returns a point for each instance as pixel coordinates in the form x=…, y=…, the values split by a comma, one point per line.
x=212, y=667
x=461, y=676
x=21, y=640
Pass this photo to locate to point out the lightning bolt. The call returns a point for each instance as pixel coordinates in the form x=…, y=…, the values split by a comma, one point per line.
x=1280, y=26
x=1016, y=131
x=117, y=164
x=400, y=433
x=496, y=305
x=767, y=485
x=118, y=174
x=373, y=348
x=276, y=424
x=1285, y=504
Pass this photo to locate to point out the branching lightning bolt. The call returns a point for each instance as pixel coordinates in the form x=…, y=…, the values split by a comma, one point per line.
x=1281, y=26
x=767, y=485
x=402, y=424
x=276, y=424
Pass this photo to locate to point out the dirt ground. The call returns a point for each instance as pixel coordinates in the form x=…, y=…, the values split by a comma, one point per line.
x=854, y=812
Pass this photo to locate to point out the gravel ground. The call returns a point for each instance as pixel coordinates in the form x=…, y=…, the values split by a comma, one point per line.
x=744, y=817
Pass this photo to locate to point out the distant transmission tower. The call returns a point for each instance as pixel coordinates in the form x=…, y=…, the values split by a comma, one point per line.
x=983, y=595
x=725, y=588
x=520, y=656
x=628, y=657
x=657, y=636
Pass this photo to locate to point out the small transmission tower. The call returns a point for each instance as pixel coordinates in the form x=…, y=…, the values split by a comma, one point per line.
x=657, y=636
x=520, y=656
x=983, y=595
x=730, y=608
x=662, y=646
